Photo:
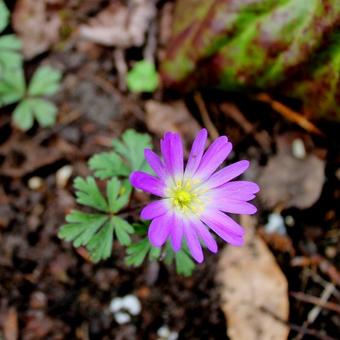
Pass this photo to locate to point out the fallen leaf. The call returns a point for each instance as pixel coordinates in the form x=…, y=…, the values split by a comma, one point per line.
x=254, y=291
x=174, y=116
x=289, y=181
x=36, y=26
x=120, y=26
x=11, y=325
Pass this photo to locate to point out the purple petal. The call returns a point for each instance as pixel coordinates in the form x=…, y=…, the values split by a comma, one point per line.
x=205, y=236
x=155, y=163
x=143, y=181
x=223, y=226
x=237, y=190
x=172, y=151
x=176, y=233
x=217, y=152
x=226, y=174
x=234, y=206
x=159, y=230
x=196, y=152
x=154, y=209
x=193, y=242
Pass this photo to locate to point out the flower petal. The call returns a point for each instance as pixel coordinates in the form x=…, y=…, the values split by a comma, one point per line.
x=143, y=181
x=193, y=242
x=196, y=152
x=237, y=190
x=154, y=209
x=205, y=236
x=223, y=226
x=176, y=234
x=159, y=230
x=172, y=151
x=226, y=174
x=234, y=206
x=156, y=164
x=217, y=152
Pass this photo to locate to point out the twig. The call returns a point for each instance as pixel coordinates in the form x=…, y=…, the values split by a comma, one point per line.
x=205, y=116
x=297, y=328
x=289, y=114
x=324, y=265
x=118, y=56
x=234, y=113
x=316, y=301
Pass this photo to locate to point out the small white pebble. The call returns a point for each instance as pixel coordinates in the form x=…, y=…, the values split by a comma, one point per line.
x=63, y=175
x=116, y=305
x=275, y=224
x=132, y=304
x=298, y=149
x=34, y=183
x=164, y=333
x=122, y=317
x=289, y=220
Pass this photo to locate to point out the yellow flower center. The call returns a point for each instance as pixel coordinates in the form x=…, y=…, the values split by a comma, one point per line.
x=185, y=197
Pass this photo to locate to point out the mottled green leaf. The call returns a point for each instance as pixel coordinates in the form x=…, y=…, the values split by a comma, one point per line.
x=4, y=15
x=252, y=44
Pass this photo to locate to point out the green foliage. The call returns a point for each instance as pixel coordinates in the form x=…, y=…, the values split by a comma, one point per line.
x=45, y=82
x=95, y=230
x=143, y=77
x=127, y=156
x=259, y=45
x=4, y=16
x=138, y=252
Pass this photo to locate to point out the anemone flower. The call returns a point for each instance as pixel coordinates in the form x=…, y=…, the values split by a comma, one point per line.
x=194, y=200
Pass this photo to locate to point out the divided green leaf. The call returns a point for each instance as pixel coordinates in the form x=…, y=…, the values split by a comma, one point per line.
x=95, y=230
x=42, y=110
x=4, y=16
x=143, y=77
x=12, y=86
x=45, y=81
x=108, y=164
x=10, y=57
x=132, y=148
x=137, y=252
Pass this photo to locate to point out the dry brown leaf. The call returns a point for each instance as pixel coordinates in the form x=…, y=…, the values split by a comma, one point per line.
x=289, y=181
x=174, y=116
x=119, y=25
x=36, y=26
x=254, y=291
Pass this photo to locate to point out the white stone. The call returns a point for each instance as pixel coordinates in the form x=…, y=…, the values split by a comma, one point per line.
x=298, y=149
x=63, y=175
x=275, y=224
x=34, y=183
x=132, y=304
x=122, y=317
x=116, y=305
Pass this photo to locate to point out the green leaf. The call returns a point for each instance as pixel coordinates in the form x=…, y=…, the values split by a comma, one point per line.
x=81, y=227
x=45, y=112
x=118, y=199
x=10, y=56
x=184, y=264
x=12, y=86
x=137, y=253
x=143, y=77
x=132, y=149
x=122, y=230
x=4, y=16
x=100, y=245
x=183, y=261
x=41, y=109
x=88, y=194
x=45, y=81
x=108, y=164
x=23, y=116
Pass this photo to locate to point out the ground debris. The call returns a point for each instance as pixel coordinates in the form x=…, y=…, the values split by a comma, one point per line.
x=254, y=291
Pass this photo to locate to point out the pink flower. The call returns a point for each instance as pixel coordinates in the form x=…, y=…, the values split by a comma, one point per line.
x=194, y=200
